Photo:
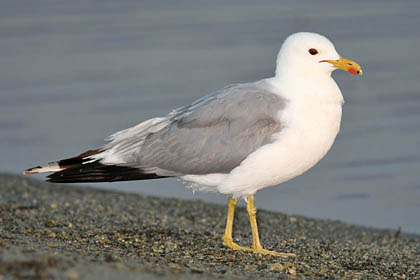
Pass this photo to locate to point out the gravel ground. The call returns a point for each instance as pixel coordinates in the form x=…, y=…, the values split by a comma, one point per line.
x=63, y=232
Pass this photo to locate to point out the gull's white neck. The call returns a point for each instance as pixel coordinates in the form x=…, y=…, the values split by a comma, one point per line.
x=318, y=88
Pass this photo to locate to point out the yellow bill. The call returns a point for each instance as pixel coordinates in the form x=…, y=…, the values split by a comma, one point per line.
x=346, y=65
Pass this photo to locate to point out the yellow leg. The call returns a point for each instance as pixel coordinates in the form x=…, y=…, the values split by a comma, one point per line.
x=256, y=244
x=227, y=238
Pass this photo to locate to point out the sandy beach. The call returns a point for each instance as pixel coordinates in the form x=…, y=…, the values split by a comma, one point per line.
x=66, y=232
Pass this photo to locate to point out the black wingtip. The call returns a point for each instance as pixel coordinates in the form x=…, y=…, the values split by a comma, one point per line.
x=98, y=172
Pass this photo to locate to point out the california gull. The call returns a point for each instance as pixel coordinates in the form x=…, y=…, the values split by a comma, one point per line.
x=234, y=141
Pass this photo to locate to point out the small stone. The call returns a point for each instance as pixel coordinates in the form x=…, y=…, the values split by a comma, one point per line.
x=291, y=270
x=196, y=270
x=175, y=266
x=50, y=223
x=109, y=258
x=73, y=275
x=276, y=266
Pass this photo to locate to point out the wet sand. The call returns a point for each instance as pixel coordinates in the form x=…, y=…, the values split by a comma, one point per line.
x=65, y=232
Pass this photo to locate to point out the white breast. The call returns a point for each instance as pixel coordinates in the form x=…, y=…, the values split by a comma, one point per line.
x=311, y=125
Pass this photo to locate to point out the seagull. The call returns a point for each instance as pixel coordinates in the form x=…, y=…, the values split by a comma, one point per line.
x=234, y=141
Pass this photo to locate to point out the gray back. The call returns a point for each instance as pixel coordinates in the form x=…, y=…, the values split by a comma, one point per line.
x=215, y=133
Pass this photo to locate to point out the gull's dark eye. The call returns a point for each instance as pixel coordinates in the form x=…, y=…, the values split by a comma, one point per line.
x=313, y=51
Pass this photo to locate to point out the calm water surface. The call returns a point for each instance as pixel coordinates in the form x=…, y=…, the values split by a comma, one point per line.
x=72, y=73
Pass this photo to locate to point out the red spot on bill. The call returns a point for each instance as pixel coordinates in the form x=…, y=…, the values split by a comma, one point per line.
x=352, y=71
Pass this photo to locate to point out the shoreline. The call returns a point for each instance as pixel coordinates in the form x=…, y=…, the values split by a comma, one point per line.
x=69, y=232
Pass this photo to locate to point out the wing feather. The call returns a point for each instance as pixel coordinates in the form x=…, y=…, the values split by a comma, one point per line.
x=212, y=135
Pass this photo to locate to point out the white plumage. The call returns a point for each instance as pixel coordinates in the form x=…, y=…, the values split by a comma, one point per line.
x=235, y=141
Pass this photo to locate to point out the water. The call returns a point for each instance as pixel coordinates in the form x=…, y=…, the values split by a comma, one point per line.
x=73, y=72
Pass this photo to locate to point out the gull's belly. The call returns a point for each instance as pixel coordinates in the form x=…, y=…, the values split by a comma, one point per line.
x=309, y=132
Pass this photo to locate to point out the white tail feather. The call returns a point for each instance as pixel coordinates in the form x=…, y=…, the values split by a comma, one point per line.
x=51, y=167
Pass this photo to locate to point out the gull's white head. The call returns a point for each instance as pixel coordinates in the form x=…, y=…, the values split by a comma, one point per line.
x=310, y=55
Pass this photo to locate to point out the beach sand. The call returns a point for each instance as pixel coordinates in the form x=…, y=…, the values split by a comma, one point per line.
x=66, y=232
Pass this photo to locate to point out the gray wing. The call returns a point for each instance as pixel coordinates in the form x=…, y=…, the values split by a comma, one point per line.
x=215, y=133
